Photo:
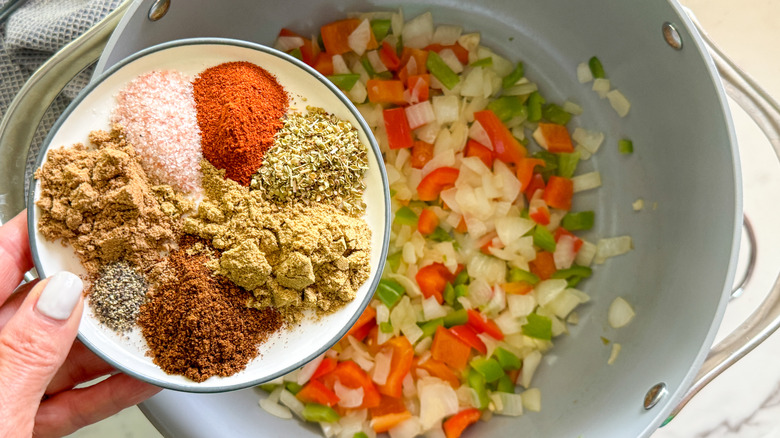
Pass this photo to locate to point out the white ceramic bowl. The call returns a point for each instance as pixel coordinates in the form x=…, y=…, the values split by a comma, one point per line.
x=288, y=348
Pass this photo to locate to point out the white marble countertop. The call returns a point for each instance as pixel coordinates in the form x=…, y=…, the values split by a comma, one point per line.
x=745, y=400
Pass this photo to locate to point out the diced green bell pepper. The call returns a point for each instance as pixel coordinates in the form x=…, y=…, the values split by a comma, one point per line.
x=380, y=28
x=489, y=368
x=516, y=274
x=406, y=216
x=543, y=238
x=458, y=317
x=319, y=413
x=596, y=69
x=389, y=292
x=507, y=359
x=505, y=384
x=539, y=327
x=535, y=101
x=441, y=71
x=567, y=164
x=344, y=81
x=582, y=220
x=513, y=76
x=476, y=381
x=555, y=114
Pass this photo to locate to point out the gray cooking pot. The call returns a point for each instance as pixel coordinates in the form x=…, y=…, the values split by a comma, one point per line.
x=685, y=167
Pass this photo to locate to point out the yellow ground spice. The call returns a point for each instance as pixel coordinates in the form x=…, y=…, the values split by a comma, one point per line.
x=293, y=257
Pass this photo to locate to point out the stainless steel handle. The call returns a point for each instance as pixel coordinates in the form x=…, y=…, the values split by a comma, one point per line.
x=765, y=111
x=25, y=112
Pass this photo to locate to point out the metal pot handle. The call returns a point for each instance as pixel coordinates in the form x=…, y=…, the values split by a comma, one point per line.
x=25, y=112
x=765, y=111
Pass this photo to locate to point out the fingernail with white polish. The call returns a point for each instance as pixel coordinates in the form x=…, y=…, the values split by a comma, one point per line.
x=60, y=295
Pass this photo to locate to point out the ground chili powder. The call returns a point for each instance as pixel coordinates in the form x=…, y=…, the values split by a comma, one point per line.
x=199, y=325
x=239, y=109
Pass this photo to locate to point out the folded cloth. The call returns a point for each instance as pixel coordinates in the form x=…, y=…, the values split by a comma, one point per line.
x=32, y=34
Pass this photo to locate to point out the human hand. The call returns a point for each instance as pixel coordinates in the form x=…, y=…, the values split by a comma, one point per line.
x=40, y=364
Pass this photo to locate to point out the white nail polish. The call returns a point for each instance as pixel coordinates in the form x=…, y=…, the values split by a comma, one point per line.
x=60, y=295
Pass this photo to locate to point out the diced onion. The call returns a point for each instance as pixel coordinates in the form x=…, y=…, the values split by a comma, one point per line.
x=584, y=74
x=572, y=108
x=376, y=61
x=478, y=133
x=487, y=268
x=418, y=32
x=601, y=87
x=424, y=346
x=437, y=401
x=447, y=35
x=614, y=353
x=288, y=399
x=620, y=313
x=308, y=370
x=619, y=102
x=564, y=303
x=590, y=140
x=359, y=38
x=287, y=43
x=564, y=254
x=586, y=254
x=612, y=247
x=275, y=409
x=432, y=309
x=532, y=399
x=530, y=363
x=586, y=181
x=409, y=428
x=420, y=114
x=508, y=323
x=446, y=108
x=397, y=22
x=473, y=84
x=413, y=332
x=469, y=41
x=358, y=93
x=520, y=305
x=507, y=181
x=539, y=138
x=521, y=89
x=382, y=366
x=340, y=66
x=509, y=229
x=348, y=397
x=444, y=159
x=547, y=290
x=428, y=133
x=452, y=61
x=480, y=292
x=638, y=205
x=510, y=404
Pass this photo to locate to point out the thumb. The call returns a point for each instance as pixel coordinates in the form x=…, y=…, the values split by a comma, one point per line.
x=34, y=344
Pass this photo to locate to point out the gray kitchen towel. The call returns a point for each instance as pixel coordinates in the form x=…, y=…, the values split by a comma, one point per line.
x=32, y=34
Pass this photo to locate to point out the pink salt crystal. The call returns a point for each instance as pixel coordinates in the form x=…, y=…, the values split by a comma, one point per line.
x=157, y=111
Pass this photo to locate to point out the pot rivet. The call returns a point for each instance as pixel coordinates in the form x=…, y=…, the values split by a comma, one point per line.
x=672, y=36
x=654, y=395
x=159, y=9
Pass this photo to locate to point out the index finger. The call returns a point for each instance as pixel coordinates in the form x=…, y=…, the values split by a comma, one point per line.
x=15, y=257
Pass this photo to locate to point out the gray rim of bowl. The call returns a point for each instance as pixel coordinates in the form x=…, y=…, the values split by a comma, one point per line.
x=196, y=387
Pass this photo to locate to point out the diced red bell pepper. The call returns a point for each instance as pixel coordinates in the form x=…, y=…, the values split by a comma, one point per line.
x=543, y=266
x=559, y=192
x=439, y=369
x=335, y=36
x=477, y=149
x=324, y=63
x=455, y=425
x=364, y=323
x=427, y=222
x=466, y=334
x=505, y=146
x=422, y=153
x=420, y=58
x=352, y=376
x=525, y=172
x=400, y=364
x=389, y=57
x=439, y=179
x=432, y=280
x=557, y=137
x=536, y=183
x=381, y=91
x=315, y=391
x=399, y=134
x=418, y=87
x=480, y=324
x=388, y=405
x=327, y=365
x=449, y=349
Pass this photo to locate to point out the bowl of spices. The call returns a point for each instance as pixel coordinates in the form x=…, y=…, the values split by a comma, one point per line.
x=227, y=206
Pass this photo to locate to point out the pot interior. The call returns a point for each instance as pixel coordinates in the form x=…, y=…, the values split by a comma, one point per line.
x=684, y=167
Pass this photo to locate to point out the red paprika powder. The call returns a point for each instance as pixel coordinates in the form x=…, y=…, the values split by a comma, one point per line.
x=240, y=108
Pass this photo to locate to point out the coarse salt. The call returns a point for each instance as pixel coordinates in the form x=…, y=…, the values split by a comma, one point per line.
x=157, y=111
